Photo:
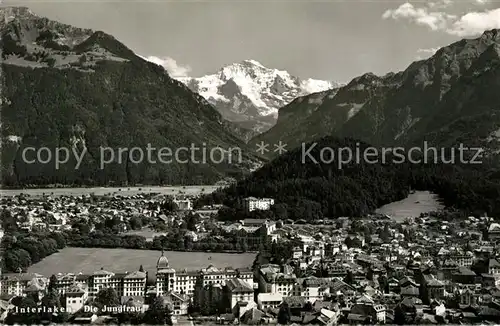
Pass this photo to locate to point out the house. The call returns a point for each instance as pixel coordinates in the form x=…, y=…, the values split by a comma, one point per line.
x=16, y=284
x=464, y=275
x=5, y=307
x=432, y=287
x=269, y=300
x=410, y=291
x=183, y=204
x=366, y=310
x=297, y=253
x=134, y=284
x=311, y=288
x=408, y=309
x=255, y=316
x=493, y=267
x=36, y=288
x=272, y=280
x=251, y=203
x=342, y=291
x=494, y=232
x=179, y=303
x=295, y=303
x=237, y=290
x=76, y=297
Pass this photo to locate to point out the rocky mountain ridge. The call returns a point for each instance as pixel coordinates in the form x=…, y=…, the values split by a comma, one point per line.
x=250, y=94
x=67, y=87
x=438, y=99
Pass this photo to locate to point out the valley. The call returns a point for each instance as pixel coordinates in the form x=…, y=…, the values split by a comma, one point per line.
x=276, y=228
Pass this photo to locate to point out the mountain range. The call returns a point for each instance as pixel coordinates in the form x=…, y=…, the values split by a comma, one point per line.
x=250, y=94
x=447, y=99
x=66, y=87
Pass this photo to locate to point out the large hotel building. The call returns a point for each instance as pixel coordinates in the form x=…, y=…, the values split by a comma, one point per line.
x=168, y=282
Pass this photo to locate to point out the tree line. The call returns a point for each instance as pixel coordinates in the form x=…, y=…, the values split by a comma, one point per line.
x=22, y=248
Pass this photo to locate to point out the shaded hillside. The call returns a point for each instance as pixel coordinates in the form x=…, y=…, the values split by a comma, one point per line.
x=427, y=101
x=305, y=189
x=91, y=91
x=320, y=190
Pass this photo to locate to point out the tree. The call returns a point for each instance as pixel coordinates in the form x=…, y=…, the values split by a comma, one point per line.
x=368, y=238
x=284, y=314
x=23, y=315
x=107, y=297
x=308, y=306
x=9, y=223
x=169, y=205
x=385, y=234
x=51, y=301
x=191, y=221
x=141, y=269
x=369, y=274
x=157, y=314
x=244, y=246
x=52, y=284
x=349, y=278
x=60, y=239
x=383, y=284
x=135, y=223
x=404, y=316
x=130, y=317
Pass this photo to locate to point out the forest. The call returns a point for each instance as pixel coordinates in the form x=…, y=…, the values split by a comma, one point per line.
x=318, y=190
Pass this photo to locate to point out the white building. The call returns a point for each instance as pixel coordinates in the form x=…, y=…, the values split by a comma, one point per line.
x=185, y=282
x=239, y=291
x=252, y=203
x=76, y=297
x=16, y=284
x=125, y=284
x=269, y=300
x=184, y=204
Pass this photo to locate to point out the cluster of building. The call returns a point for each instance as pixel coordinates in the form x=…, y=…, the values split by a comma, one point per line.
x=58, y=213
x=357, y=271
x=422, y=271
x=179, y=288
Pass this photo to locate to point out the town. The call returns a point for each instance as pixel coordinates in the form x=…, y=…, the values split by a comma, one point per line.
x=436, y=268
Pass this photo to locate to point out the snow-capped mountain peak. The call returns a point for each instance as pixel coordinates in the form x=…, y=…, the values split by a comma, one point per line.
x=267, y=89
x=248, y=92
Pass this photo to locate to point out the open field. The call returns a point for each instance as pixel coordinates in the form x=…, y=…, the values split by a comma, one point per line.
x=412, y=206
x=100, y=191
x=89, y=260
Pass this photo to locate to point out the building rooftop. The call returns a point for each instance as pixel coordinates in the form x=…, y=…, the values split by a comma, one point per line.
x=237, y=285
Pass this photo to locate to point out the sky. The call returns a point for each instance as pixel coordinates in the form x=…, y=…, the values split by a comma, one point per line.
x=328, y=39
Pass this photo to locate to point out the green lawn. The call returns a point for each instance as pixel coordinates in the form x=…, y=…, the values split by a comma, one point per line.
x=88, y=260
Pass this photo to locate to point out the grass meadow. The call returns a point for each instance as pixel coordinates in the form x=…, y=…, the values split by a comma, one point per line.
x=88, y=260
